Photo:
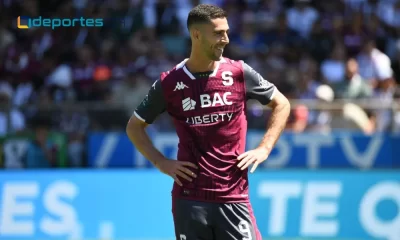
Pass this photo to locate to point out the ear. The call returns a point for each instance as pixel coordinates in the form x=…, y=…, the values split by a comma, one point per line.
x=195, y=33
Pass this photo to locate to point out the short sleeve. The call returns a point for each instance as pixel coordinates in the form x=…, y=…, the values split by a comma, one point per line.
x=152, y=105
x=256, y=86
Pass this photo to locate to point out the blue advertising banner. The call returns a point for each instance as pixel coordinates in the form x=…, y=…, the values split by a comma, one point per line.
x=308, y=150
x=136, y=204
x=84, y=205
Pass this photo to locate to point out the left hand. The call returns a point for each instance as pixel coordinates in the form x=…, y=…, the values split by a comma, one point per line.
x=254, y=157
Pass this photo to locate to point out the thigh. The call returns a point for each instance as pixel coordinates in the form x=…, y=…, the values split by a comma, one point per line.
x=191, y=220
x=235, y=221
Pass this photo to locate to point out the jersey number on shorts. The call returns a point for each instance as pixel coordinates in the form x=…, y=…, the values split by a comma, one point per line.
x=182, y=236
x=245, y=229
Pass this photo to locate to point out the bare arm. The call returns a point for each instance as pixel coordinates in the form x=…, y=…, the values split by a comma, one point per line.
x=135, y=130
x=267, y=94
x=148, y=110
x=280, y=113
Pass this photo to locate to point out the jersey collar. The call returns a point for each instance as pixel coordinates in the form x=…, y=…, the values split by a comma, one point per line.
x=183, y=66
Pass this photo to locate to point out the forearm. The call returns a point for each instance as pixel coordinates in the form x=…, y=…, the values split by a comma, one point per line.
x=276, y=125
x=143, y=144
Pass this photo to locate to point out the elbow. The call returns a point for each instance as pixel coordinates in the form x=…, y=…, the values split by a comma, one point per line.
x=133, y=126
x=286, y=104
x=280, y=102
x=128, y=128
x=285, y=108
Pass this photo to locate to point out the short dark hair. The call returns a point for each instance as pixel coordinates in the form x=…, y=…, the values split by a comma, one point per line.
x=204, y=13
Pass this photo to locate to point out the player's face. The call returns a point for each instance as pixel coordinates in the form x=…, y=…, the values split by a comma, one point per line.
x=214, y=38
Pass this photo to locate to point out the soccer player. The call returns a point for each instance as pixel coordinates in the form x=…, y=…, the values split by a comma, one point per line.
x=206, y=97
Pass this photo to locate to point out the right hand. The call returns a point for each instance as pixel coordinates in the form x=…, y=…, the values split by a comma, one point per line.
x=175, y=168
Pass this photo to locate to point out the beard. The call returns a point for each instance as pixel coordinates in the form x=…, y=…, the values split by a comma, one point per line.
x=213, y=52
x=217, y=53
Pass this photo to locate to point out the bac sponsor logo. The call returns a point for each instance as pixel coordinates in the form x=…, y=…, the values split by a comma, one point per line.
x=207, y=100
x=210, y=100
x=209, y=118
x=188, y=104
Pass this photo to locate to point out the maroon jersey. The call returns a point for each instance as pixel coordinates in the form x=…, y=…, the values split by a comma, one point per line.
x=209, y=113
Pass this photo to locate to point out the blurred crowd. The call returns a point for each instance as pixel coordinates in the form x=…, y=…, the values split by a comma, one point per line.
x=315, y=50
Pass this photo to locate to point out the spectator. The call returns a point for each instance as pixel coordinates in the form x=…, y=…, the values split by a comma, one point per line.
x=320, y=43
x=59, y=79
x=41, y=152
x=131, y=91
x=282, y=34
x=75, y=124
x=333, y=68
x=353, y=86
x=354, y=35
x=323, y=118
x=12, y=121
x=247, y=41
x=6, y=38
x=83, y=72
x=302, y=17
x=306, y=88
x=298, y=120
x=384, y=94
x=396, y=63
x=373, y=63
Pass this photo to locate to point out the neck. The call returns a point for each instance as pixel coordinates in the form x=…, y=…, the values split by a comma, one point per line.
x=199, y=63
x=350, y=76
